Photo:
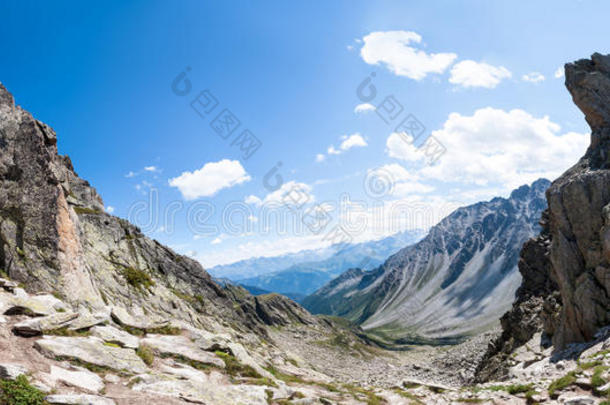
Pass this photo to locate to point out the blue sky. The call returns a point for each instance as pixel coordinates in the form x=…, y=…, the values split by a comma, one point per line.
x=101, y=75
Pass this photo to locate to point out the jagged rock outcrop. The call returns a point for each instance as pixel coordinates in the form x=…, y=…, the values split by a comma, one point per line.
x=566, y=270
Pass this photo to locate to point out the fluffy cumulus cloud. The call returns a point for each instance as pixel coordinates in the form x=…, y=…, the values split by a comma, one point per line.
x=533, y=77
x=469, y=73
x=210, y=179
x=504, y=148
x=364, y=108
x=291, y=193
x=399, y=145
x=396, y=50
x=352, y=141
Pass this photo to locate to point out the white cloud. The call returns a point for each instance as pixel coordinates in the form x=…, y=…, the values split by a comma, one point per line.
x=399, y=181
x=559, y=72
x=533, y=77
x=347, y=142
x=110, y=209
x=252, y=219
x=394, y=50
x=130, y=175
x=210, y=179
x=504, y=148
x=400, y=146
x=219, y=239
x=469, y=73
x=252, y=199
x=153, y=169
x=396, y=172
x=364, y=108
x=352, y=141
x=332, y=151
x=291, y=193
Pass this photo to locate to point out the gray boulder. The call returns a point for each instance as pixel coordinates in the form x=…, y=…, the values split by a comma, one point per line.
x=181, y=346
x=91, y=350
x=37, y=326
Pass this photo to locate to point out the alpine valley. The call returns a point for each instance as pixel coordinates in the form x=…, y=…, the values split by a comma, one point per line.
x=502, y=302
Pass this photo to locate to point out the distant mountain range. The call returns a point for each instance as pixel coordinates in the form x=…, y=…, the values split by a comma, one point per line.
x=456, y=281
x=297, y=275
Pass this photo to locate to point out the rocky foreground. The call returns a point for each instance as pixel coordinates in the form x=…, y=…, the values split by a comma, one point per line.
x=56, y=354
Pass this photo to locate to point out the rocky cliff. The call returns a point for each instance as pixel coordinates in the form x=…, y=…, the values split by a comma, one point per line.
x=56, y=237
x=566, y=269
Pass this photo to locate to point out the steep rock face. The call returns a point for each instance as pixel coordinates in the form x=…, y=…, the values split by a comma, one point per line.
x=459, y=279
x=566, y=270
x=56, y=237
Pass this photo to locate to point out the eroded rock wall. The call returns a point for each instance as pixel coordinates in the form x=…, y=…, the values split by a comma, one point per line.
x=566, y=270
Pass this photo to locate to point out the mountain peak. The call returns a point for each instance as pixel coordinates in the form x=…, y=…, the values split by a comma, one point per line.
x=588, y=81
x=5, y=96
x=533, y=190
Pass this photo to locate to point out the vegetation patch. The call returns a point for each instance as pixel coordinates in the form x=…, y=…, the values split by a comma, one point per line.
x=596, y=379
x=146, y=354
x=110, y=344
x=163, y=330
x=589, y=365
x=94, y=368
x=193, y=363
x=262, y=381
x=236, y=369
x=512, y=389
x=67, y=332
x=562, y=383
x=20, y=392
x=86, y=211
x=287, y=378
x=369, y=396
x=405, y=394
x=191, y=299
x=515, y=389
x=20, y=252
x=269, y=395
x=138, y=279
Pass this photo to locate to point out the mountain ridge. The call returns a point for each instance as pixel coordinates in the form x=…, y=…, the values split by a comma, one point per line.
x=410, y=281
x=303, y=278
